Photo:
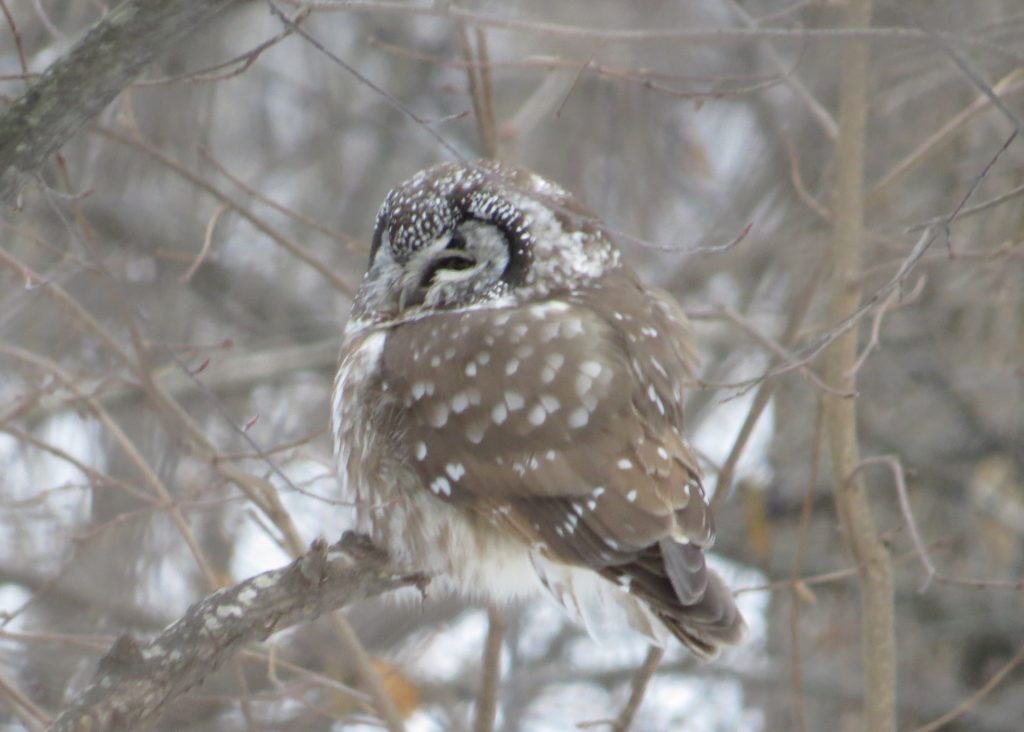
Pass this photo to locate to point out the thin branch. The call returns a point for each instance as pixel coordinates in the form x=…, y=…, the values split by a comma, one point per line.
x=207, y=241
x=899, y=34
x=80, y=84
x=893, y=463
x=818, y=111
x=490, y=677
x=299, y=251
x=1010, y=84
x=30, y=714
x=800, y=591
x=134, y=682
x=764, y=393
x=972, y=701
x=478, y=74
x=878, y=645
x=641, y=679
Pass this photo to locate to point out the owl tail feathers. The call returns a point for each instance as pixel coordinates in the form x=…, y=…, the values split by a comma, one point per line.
x=603, y=609
x=707, y=625
x=653, y=610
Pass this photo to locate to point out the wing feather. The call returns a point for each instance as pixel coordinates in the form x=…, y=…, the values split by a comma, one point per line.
x=562, y=422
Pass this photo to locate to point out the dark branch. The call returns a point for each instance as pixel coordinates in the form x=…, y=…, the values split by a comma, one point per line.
x=86, y=79
x=134, y=682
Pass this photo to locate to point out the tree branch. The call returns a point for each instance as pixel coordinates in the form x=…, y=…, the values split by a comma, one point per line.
x=878, y=648
x=134, y=682
x=79, y=85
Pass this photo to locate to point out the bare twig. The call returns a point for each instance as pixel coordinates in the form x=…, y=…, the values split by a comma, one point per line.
x=799, y=593
x=207, y=240
x=893, y=463
x=134, y=682
x=972, y=701
x=490, y=677
x=299, y=251
x=818, y=111
x=878, y=646
x=1010, y=84
x=30, y=714
x=763, y=396
x=641, y=35
x=638, y=688
x=478, y=73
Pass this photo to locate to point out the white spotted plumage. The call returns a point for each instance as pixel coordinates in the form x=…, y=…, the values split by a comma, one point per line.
x=508, y=408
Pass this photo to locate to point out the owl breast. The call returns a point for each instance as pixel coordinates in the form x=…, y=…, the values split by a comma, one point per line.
x=462, y=551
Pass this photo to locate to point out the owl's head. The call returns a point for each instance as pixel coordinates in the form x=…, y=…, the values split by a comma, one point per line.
x=482, y=234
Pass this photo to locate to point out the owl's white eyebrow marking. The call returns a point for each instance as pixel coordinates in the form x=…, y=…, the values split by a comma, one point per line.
x=625, y=464
x=499, y=413
x=514, y=400
x=591, y=368
x=421, y=450
x=441, y=486
x=512, y=366
x=455, y=470
x=579, y=418
x=537, y=415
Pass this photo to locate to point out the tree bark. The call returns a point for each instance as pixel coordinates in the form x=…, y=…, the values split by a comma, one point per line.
x=878, y=648
x=80, y=84
x=134, y=681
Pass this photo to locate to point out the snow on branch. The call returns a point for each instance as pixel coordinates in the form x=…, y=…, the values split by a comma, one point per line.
x=135, y=681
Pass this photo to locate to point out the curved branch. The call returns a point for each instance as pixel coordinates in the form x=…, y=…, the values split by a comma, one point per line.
x=134, y=682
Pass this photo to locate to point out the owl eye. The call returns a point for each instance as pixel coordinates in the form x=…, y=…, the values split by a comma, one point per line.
x=453, y=258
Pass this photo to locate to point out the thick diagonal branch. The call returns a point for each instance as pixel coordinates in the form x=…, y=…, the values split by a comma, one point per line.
x=134, y=681
x=86, y=79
